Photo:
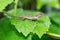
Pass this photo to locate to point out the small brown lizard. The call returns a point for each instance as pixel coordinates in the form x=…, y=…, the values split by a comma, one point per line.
x=31, y=17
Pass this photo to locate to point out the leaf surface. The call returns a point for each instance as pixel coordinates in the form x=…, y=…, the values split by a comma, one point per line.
x=4, y=3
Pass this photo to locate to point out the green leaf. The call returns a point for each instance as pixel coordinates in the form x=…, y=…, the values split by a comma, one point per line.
x=55, y=26
x=55, y=16
x=24, y=26
x=52, y=3
x=4, y=3
x=45, y=20
x=21, y=12
x=40, y=29
x=43, y=25
x=27, y=26
x=39, y=4
x=54, y=29
x=8, y=31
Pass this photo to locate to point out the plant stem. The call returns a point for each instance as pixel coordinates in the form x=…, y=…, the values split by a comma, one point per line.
x=15, y=7
x=57, y=36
